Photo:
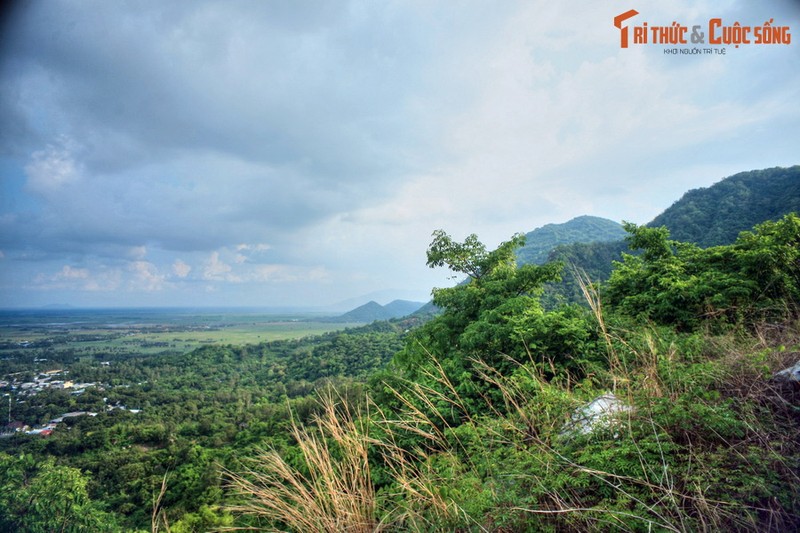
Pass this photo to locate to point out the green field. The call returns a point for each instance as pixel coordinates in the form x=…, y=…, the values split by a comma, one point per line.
x=150, y=332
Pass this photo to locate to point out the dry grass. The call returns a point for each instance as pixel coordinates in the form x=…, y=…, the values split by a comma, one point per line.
x=335, y=494
x=159, y=515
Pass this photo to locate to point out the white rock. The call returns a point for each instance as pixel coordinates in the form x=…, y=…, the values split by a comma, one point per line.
x=789, y=374
x=594, y=414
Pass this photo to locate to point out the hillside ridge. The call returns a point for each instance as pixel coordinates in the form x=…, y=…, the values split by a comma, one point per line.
x=372, y=310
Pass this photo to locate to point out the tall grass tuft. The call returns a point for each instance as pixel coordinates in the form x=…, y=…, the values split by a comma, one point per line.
x=334, y=493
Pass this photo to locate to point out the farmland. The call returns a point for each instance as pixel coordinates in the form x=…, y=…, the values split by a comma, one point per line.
x=118, y=333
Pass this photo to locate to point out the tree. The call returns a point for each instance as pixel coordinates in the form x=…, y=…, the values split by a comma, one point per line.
x=680, y=284
x=493, y=318
x=477, y=313
x=47, y=497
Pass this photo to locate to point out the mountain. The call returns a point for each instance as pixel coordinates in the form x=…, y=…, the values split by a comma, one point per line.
x=584, y=229
x=368, y=312
x=386, y=295
x=372, y=311
x=541, y=242
x=708, y=216
x=401, y=308
x=716, y=215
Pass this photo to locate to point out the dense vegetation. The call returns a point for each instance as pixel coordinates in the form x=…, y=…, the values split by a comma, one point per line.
x=476, y=419
x=200, y=411
x=584, y=229
x=479, y=425
x=717, y=214
x=706, y=217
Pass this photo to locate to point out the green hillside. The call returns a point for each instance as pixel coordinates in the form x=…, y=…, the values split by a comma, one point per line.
x=584, y=229
x=707, y=217
x=581, y=236
x=656, y=411
x=372, y=311
x=715, y=215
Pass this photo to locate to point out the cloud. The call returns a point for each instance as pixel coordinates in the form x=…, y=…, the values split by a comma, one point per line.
x=106, y=280
x=138, y=142
x=69, y=273
x=216, y=270
x=250, y=252
x=181, y=269
x=287, y=274
x=101, y=279
x=53, y=168
x=246, y=271
x=267, y=94
x=137, y=252
x=253, y=133
x=293, y=140
x=256, y=247
x=146, y=276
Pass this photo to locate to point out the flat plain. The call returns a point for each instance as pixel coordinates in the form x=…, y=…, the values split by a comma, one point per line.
x=43, y=333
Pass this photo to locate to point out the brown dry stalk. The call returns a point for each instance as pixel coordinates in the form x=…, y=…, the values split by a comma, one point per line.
x=159, y=515
x=336, y=495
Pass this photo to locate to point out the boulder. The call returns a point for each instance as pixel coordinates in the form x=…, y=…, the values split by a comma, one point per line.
x=595, y=414
x=791, y=374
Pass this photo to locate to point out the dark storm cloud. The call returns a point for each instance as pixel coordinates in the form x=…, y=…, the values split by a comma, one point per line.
x=192, y=123
x=215, y=76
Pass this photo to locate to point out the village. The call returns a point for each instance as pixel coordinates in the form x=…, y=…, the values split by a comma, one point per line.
x=50, y=379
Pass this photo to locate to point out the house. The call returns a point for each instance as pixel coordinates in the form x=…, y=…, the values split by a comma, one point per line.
x=15, y=427
x=71, y=415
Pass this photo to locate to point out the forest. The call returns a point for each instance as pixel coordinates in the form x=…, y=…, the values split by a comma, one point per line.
x=481, y=418
x=180, y=415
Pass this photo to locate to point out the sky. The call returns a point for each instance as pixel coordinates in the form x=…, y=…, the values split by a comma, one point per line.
x=301, y=153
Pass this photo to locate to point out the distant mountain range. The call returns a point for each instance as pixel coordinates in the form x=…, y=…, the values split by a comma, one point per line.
x=707, y=216
x=380, y=296
x=538, y=244
x=372, y=311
